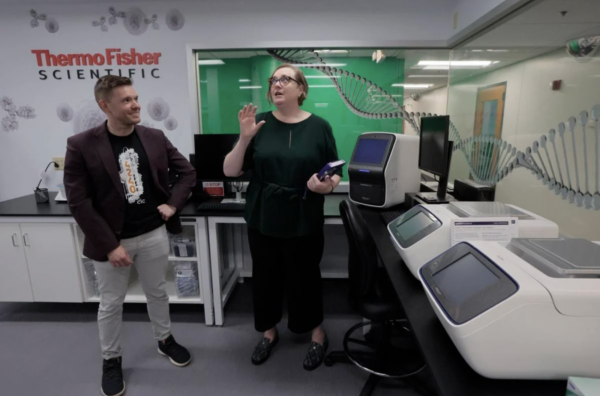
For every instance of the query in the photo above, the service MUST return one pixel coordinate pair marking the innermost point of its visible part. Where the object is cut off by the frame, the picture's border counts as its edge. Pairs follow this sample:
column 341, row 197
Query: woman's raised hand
column 248, row 125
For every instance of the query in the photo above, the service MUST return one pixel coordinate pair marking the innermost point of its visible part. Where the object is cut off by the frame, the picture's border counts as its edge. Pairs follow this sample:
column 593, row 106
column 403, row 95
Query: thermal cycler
column 383, row 168
column 529, row 310
column 423, row 232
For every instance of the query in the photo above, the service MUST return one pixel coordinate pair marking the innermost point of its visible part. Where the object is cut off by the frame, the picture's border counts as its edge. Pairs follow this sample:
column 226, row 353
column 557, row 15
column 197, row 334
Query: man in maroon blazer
column 117, row 185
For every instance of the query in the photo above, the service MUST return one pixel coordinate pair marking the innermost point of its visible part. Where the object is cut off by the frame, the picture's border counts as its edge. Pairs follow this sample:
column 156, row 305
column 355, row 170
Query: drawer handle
column 26, row 239
column 15, row 240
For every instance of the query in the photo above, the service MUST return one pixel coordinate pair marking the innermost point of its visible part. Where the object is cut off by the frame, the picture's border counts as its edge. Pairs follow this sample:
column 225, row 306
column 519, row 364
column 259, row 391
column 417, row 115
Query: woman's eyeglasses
column 285, row 80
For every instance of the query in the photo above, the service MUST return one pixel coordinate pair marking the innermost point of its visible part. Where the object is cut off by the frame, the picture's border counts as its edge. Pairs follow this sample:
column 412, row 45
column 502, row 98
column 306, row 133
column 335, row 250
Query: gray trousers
column 150, row 254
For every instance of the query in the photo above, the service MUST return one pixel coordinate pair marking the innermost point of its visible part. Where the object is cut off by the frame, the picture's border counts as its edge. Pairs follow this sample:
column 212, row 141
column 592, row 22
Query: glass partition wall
column 363, row 90
column 528, row 120
column 524, row 117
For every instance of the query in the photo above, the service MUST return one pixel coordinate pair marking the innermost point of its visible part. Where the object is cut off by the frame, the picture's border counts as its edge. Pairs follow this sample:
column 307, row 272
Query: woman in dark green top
column 284, row 210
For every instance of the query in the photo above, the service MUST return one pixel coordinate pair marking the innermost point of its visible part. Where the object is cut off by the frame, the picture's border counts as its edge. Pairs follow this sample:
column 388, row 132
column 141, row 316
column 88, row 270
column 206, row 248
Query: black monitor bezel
column 246, row 176
column 445, row 150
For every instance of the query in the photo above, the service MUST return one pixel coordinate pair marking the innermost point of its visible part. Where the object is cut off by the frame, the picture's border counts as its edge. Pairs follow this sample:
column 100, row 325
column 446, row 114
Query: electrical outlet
column 60, row 161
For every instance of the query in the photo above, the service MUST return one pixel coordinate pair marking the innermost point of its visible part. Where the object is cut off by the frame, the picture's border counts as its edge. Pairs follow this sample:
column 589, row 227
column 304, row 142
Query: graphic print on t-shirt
column 131, row 178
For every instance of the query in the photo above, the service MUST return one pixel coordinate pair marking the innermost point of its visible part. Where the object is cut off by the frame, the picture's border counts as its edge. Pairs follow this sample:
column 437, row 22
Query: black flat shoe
column 262, row 350
column 316, row 354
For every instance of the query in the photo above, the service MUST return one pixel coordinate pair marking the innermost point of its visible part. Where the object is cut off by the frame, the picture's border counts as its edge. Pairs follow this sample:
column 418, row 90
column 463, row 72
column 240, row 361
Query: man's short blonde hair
column 105, row 85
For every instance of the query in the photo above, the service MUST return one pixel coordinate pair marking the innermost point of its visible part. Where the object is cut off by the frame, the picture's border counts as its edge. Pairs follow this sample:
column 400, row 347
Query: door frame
column 479, row 110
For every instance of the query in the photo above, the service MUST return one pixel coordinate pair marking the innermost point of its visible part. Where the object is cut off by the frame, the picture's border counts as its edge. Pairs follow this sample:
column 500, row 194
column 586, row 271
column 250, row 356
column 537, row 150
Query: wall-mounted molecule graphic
column 88, row 115
column 171, row 123
column 50, row 23
column 65, row 112
column 158, row 109
column 136, row 22
column 174, row 19
column 152, row 21
column 114, row 14
column 112, row 20
column 102, row 23
column 10, row 122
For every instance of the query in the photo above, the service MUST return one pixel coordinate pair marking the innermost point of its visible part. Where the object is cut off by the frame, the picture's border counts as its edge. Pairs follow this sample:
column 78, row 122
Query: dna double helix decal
column 362, row 97
column 562, row 161
column 576, row 156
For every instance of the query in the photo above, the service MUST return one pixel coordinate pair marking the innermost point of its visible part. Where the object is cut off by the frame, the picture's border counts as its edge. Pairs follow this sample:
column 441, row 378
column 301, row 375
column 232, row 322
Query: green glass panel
column 222, row 95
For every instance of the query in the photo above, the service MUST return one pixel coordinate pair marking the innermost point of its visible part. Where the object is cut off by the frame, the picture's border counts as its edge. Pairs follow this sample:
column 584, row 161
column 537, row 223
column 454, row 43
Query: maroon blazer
column 95, row 193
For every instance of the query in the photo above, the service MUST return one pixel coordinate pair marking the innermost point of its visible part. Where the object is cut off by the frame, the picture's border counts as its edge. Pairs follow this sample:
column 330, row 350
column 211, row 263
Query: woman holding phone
column 285, row 149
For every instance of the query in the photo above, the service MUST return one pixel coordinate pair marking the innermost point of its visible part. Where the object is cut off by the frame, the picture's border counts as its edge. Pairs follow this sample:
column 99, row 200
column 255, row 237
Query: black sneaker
column 112, row 378
column 262, row 350
column 316, row 354
column 177, row 354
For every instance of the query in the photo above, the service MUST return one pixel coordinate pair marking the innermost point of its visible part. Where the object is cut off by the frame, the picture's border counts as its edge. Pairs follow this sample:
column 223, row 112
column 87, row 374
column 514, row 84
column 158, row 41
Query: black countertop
column 27, row 207
column 452, row 374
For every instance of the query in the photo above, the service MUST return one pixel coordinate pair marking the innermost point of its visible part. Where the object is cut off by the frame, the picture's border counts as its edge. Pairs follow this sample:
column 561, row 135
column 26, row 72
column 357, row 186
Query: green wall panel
column 221, row 97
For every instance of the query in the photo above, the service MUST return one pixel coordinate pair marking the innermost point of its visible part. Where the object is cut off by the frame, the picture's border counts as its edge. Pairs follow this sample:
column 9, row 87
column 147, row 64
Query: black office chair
column 389, row 350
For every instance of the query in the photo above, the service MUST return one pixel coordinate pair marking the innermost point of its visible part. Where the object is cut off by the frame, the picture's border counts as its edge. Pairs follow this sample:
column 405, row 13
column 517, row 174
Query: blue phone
column 328, row 170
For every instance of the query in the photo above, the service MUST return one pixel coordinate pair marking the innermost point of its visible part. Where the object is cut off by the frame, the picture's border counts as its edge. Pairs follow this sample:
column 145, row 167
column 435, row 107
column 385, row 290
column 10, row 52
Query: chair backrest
column 362, row 254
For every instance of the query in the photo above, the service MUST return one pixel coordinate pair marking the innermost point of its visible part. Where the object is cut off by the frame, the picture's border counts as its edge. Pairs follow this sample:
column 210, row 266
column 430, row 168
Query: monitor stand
column 440, row 197
column 238, row 198
column 434, row 198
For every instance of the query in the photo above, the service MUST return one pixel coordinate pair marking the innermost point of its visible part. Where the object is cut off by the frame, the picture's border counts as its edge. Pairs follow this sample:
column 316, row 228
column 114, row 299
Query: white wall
column 236, row 24
column 434, row 102
column 531, row 109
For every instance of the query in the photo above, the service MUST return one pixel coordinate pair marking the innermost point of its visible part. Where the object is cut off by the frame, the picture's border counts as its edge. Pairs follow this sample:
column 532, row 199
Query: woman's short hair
column 299, row 77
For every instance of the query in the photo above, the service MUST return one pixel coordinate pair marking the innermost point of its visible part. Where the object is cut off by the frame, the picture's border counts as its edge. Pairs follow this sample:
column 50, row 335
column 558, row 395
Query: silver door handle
column 15, row 240
column 26, row 239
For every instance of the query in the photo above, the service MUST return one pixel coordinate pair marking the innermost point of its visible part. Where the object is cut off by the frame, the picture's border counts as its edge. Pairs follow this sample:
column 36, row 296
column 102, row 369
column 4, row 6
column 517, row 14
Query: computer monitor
column 435, row 153
column 210, row 153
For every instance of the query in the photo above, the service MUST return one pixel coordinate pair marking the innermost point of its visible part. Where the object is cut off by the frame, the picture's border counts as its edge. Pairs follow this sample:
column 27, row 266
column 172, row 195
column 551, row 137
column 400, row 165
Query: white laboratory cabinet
column 14, row 282
column 38, row 263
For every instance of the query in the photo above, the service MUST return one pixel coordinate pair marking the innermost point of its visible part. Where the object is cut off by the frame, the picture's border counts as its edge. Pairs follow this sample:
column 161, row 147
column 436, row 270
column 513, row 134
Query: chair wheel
column 328, row 362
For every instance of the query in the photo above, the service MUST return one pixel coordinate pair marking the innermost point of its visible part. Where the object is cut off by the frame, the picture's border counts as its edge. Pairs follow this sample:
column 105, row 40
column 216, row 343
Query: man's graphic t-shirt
column 141, row 213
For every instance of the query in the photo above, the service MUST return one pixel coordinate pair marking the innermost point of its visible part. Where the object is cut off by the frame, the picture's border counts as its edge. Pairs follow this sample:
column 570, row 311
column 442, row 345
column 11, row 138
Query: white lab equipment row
column 527, row 309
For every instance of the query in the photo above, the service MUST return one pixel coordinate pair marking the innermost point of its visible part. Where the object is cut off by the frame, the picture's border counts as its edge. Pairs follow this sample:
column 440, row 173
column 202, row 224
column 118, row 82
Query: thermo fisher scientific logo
column 81, row 66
